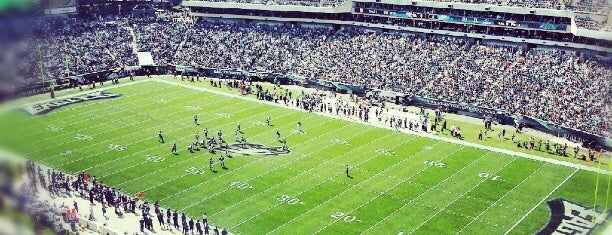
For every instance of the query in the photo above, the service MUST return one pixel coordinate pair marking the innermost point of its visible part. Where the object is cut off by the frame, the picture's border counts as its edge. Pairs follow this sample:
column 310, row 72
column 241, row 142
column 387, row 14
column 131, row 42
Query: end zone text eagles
column 46, row 107
column 570, row 218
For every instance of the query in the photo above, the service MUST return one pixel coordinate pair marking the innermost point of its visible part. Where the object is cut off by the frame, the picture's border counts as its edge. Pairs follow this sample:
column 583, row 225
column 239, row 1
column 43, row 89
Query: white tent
column 145, row 58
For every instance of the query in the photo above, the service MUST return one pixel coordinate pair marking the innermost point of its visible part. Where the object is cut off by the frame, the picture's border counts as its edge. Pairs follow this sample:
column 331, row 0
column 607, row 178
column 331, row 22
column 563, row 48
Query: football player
column 222, row 161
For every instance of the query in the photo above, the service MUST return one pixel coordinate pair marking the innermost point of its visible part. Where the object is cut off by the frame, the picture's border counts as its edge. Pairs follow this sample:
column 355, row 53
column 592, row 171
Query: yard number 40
column 289, row 200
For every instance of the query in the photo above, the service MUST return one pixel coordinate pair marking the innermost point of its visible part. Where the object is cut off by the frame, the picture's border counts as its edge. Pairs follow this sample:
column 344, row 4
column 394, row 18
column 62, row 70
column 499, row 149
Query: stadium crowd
column 549, row 4
column 70, row 47
column 595, row 6
column 587, row 22
column 546, row 84
column 563, row 87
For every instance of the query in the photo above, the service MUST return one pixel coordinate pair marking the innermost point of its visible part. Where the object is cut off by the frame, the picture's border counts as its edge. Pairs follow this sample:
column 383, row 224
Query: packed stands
column 567, row 88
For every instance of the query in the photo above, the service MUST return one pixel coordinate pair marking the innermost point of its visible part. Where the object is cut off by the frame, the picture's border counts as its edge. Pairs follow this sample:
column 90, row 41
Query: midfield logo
column 249, row 149
column 43, row 108
column 570, row 218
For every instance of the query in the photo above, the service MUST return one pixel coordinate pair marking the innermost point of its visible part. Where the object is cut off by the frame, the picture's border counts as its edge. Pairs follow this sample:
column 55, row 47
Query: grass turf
column 392, row 188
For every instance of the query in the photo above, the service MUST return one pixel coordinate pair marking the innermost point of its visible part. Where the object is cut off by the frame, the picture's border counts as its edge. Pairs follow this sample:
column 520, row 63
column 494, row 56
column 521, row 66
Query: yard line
column 427, row 135
column 131, row 144
column 423, row 193
column 296, row 176
column 265, row 173
column 153, row 172
column 329, row 178
column 390, row 188
column 457, row 198
column 262, row 159
column 501, row 198
column 543, row 199
column 158, row 146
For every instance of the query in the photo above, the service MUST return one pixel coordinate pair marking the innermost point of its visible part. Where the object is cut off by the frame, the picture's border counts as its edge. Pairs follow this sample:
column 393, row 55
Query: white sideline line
column 459, row 197
column 539, row 203
column 545, row 160
column 427, row 135
column 82, row 116
column 501, row 198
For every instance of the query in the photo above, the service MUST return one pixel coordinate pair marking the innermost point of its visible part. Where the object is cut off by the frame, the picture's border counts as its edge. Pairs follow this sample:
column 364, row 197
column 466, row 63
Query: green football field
column 399, row 182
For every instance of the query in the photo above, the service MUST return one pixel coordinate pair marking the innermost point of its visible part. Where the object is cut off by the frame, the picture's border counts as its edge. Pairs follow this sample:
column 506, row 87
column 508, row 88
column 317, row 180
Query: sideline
column 109, row 224
column 427, row 135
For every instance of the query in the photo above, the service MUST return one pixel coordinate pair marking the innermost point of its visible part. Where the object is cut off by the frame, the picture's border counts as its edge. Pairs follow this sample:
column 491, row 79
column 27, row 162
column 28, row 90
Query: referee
column 347, row 171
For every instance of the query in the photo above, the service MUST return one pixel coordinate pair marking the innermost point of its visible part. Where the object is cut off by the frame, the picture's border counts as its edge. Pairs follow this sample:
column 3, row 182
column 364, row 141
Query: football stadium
column 306, row 117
